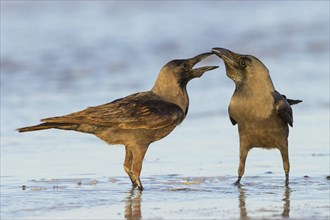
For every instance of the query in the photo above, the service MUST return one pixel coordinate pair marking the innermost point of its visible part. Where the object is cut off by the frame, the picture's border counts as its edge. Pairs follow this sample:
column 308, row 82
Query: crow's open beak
column 198, row 72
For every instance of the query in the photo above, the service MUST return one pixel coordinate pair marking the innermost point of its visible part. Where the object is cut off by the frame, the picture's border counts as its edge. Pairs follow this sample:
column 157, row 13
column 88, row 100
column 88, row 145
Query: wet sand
column 174, row 197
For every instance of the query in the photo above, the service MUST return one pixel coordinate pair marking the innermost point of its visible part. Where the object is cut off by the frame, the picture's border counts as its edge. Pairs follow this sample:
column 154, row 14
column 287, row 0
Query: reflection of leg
column 128, row 205
column 136, row 206
column 286, row 163
column 133, row 205
column 286, row 199
column 138, row 155
column 244, row 149
column 243, row 211
column 128, row 164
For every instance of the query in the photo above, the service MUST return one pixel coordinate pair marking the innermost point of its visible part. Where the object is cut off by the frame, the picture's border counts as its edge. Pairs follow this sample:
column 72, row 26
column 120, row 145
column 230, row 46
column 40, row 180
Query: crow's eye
column 185, row 66
column 244, row 62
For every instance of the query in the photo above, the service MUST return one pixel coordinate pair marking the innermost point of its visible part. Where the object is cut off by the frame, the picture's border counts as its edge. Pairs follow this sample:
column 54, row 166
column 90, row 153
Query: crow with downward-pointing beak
column 261, row 113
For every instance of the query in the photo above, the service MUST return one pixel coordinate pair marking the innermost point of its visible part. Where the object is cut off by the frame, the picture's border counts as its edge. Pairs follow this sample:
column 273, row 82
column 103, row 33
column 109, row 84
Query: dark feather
column 232, row 120
column 48, row 125
column 132, row 112
column 283, row 108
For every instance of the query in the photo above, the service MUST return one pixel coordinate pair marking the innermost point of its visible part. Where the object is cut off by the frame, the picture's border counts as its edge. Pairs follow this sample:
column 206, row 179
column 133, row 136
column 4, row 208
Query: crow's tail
column 48, row 125
column 293, row 101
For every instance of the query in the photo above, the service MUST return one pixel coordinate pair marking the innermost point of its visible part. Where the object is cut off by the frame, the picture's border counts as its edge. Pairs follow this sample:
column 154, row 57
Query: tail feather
column 48, row 125
column 293, row 101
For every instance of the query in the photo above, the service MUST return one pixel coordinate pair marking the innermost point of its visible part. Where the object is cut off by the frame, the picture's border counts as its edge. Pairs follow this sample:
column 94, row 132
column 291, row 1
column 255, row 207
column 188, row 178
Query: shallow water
column 171, row 197
column 58, row 57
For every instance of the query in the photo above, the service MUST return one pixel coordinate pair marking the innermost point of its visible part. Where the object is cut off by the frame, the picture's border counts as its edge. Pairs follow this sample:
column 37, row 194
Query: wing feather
column 283, row 108
column 133, row 112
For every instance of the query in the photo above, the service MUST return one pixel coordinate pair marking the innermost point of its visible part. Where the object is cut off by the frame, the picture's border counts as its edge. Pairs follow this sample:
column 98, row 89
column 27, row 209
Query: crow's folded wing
column 283, row 108
column 127, row 114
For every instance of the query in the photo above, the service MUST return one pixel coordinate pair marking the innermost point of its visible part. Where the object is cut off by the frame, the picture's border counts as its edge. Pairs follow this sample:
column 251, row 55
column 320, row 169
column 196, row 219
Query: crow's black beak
column 198, row 72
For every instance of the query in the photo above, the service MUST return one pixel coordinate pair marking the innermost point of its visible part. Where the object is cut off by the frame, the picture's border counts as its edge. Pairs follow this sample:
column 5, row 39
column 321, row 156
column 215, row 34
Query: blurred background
column 58, row 57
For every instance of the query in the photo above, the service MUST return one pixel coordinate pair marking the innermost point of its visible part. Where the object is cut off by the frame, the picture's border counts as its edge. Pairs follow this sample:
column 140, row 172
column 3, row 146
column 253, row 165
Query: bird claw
column 134, row 185
column 238, row 181
column 131, row 177
column 137, row 182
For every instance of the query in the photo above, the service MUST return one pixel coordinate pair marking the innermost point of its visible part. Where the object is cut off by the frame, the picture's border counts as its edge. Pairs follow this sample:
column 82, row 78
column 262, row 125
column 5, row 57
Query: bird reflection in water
column 286, row 199
column 243, row 209
column 133, row 205
column 241, row 200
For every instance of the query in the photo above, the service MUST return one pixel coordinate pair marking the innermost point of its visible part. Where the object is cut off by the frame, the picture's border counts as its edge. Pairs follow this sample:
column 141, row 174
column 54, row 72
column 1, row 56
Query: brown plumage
column 138, row 119
column 262, row 113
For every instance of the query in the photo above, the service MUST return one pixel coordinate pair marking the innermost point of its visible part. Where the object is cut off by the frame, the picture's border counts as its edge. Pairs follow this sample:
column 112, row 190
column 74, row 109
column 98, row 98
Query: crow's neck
column 171, row 91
